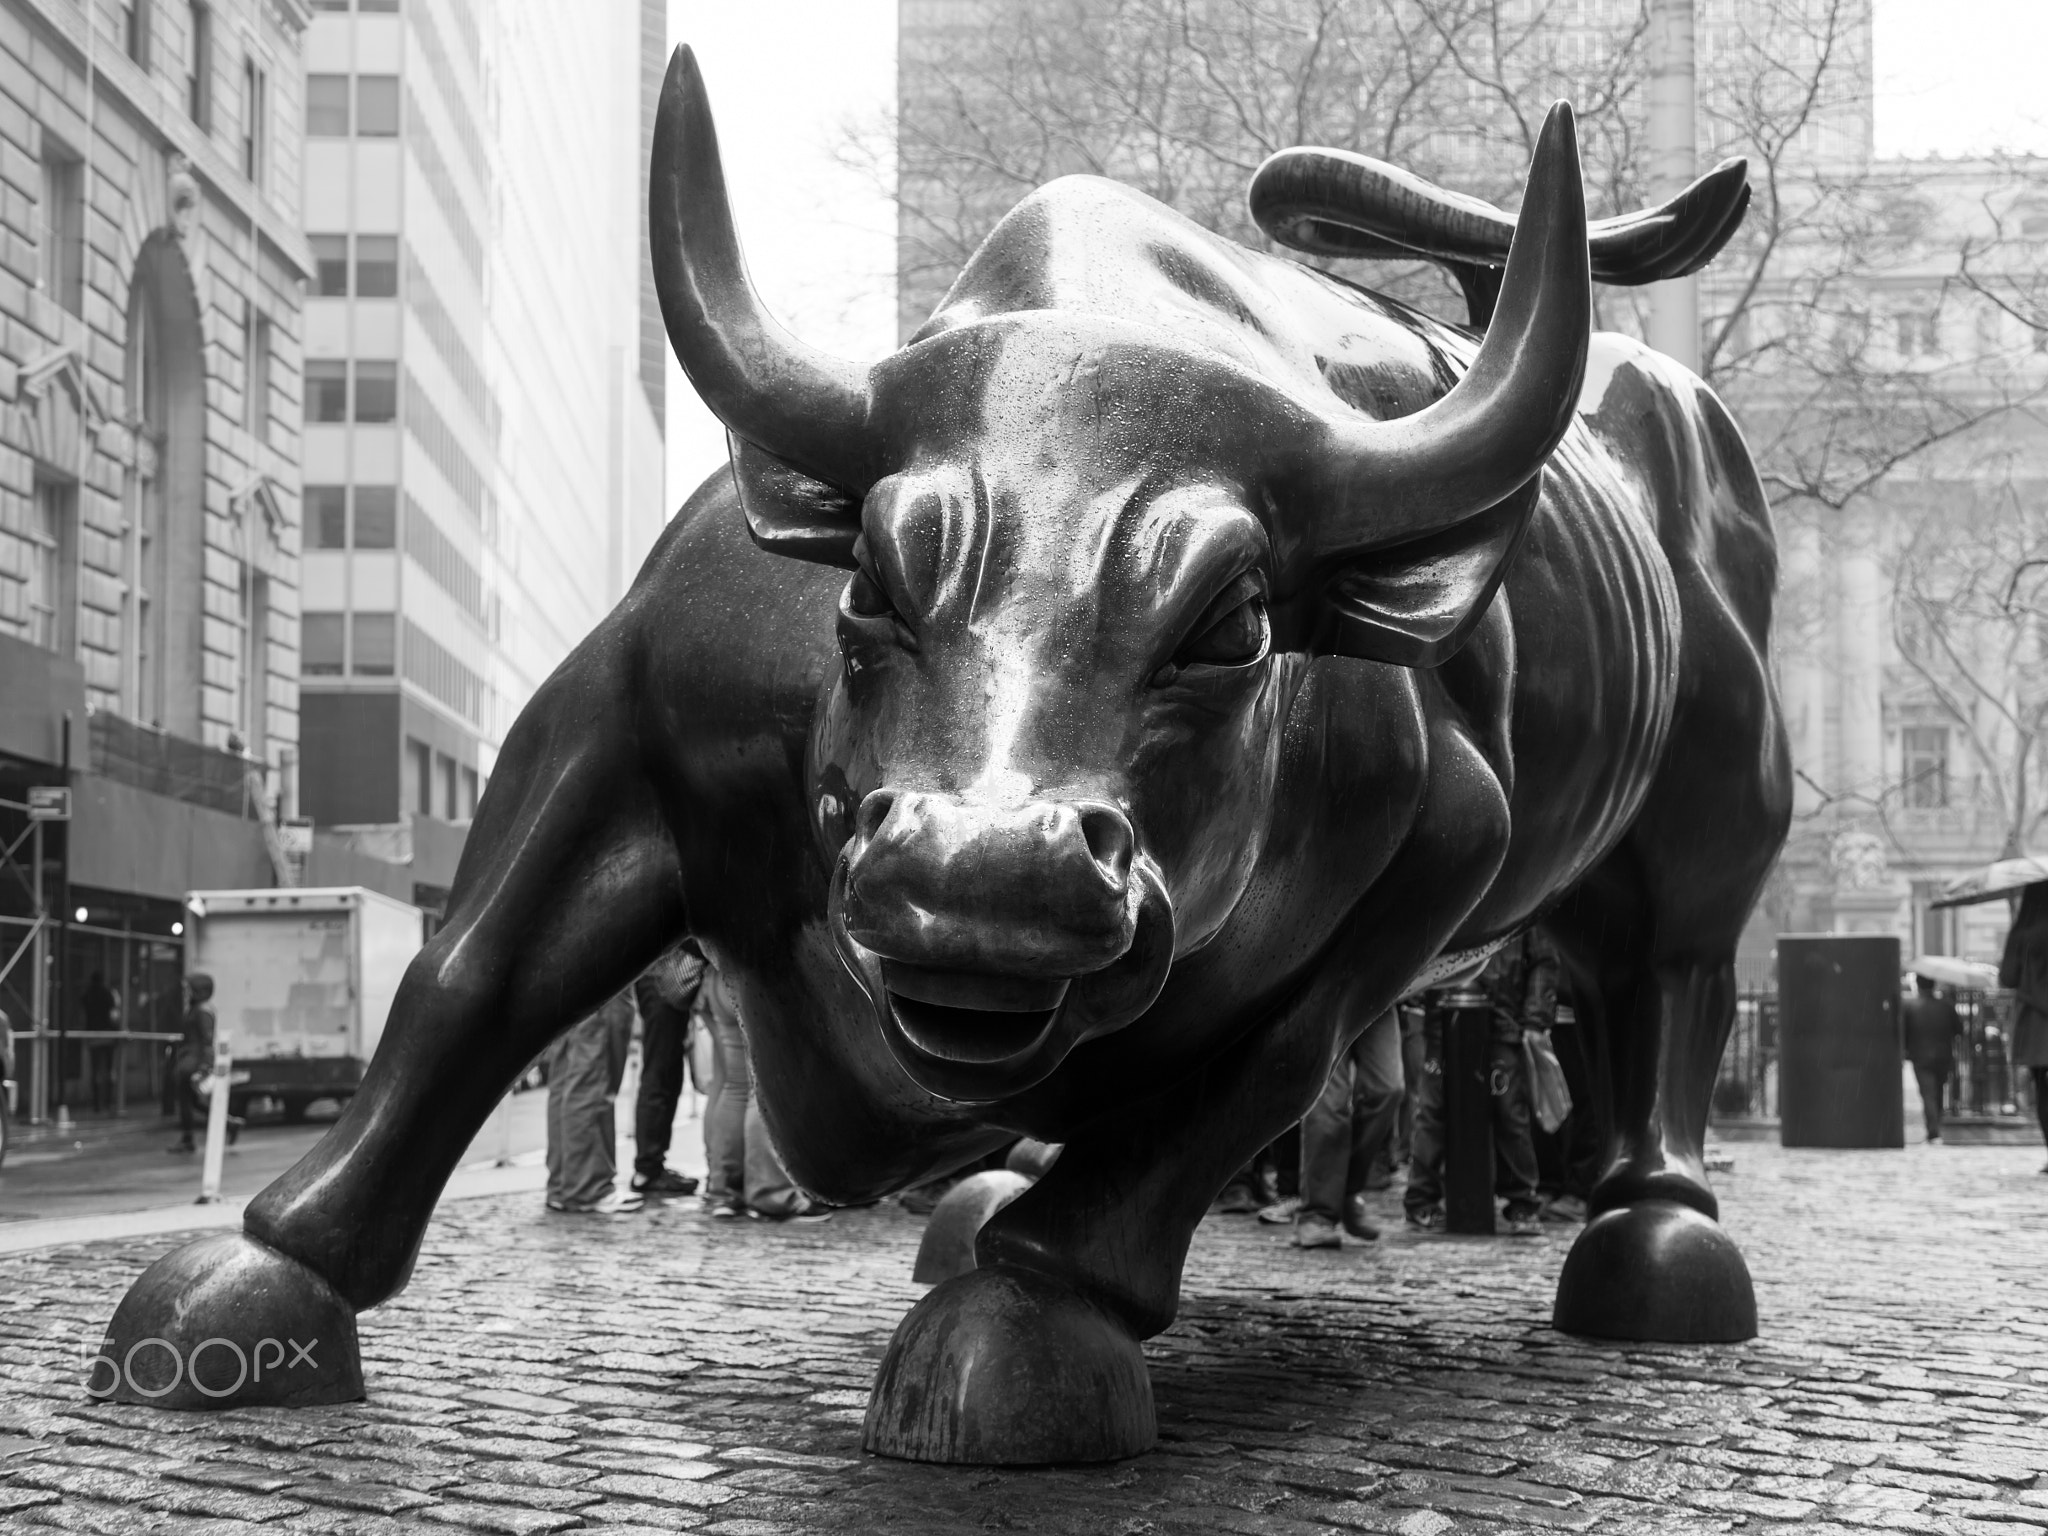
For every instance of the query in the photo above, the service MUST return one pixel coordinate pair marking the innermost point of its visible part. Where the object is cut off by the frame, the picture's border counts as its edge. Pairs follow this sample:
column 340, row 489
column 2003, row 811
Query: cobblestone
column 676, row 1374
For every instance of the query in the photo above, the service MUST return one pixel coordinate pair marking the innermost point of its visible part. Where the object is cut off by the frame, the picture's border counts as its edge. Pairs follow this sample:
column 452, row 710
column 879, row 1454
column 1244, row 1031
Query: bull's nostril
column 874, row 810
column 1110, row 839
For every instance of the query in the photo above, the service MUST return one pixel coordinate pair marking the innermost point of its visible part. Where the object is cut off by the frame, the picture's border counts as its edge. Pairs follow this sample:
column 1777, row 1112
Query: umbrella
column 1974, row 975
column 2001, row 878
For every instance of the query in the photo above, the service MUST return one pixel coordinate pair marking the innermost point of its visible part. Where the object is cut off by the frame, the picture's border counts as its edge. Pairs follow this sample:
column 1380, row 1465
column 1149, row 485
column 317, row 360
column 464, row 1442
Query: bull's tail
column 1330, row 202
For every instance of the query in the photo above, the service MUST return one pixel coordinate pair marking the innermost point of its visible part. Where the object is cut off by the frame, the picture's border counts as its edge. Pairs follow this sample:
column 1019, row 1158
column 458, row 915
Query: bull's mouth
column 976, row 1037
column 971, row 1020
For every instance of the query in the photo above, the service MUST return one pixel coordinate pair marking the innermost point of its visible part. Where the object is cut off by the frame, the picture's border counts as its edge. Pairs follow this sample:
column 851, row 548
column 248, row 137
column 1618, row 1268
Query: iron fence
column 1984, row 1083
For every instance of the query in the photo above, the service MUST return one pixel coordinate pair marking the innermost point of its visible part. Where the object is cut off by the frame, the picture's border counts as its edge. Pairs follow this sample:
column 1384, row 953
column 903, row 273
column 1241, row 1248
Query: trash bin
column 1840, row 1049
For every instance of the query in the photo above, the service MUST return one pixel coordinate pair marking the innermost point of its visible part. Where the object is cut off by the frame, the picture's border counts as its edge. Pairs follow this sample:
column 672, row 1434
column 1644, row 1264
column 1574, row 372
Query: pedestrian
column 192, row 1062
column 585, row 1067
column 1568, row 1159
column 1279, row 1171
column 97, row 1006
column 1931, row 1030
column 1520, row 986
column 742, row 1174
column 666, row 992
column 1346, row 1129
column 2024, row 969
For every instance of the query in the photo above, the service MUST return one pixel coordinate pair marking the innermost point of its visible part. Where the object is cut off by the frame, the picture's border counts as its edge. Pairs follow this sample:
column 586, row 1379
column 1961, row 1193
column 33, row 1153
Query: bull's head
column 1089, row 562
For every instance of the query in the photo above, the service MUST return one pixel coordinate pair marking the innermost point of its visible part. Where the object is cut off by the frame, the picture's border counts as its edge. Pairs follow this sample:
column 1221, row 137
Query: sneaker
column 666, row 1182
column 612, row 1202
column 1356, row 1222
column 1237, row 1199
column 1312, row 1231
column 1566, row 1208
column 1521, row 1223
column 1427, row 1218
column 1281, row 1211
column 724, row 1208
column 807, row 1210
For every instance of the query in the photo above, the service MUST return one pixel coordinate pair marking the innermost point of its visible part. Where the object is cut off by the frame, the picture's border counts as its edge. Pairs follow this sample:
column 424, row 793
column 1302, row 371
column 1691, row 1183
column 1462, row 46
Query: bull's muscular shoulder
column 1087, row 245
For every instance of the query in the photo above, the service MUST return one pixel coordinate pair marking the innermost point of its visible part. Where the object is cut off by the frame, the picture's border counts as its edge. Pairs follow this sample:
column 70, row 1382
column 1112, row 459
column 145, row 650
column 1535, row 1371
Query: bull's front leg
column 568, row 887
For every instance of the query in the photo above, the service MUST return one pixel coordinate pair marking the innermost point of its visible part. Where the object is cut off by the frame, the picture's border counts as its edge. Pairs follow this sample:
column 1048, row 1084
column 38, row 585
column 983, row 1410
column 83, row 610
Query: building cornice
column 163, row 116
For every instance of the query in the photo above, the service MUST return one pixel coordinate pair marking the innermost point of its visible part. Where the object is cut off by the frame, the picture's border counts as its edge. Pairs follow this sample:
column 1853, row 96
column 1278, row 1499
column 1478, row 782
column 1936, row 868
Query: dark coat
column 1520, row 983
column 1931, row 1029
column 2025, row 969
column 195, row 1045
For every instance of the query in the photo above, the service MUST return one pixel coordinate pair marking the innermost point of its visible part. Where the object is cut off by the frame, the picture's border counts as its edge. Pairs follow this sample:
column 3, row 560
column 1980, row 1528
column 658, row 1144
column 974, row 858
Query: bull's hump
column 1089, row 246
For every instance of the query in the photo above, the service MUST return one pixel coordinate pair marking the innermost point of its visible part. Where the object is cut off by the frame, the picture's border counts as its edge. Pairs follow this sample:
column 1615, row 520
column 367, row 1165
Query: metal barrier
column 116, row 1044
column 1985, row 1083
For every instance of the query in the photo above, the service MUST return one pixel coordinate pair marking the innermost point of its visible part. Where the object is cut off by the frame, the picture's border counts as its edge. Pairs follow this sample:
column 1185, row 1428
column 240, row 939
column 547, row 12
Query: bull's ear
column 1415, row 604
column 789, row 513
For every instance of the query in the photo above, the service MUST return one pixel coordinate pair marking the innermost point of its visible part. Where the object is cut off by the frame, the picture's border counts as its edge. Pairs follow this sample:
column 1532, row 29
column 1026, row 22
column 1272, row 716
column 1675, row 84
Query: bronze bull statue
column 1078, row 723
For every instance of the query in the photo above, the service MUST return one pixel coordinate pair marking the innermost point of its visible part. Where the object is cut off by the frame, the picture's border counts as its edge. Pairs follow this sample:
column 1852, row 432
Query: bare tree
column 1970, row 619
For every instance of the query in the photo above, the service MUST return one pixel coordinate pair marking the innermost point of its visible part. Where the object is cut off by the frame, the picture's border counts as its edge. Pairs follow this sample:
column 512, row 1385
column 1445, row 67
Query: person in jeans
column 1350, row 1124
column 585, row 1068
column 193, row 1063
column 742, row 1174
column 1931, row 1030
column 665, row 993
column 1520, row 984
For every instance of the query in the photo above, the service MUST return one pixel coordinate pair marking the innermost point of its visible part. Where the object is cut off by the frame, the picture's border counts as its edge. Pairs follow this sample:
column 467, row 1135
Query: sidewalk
column 667, row 1372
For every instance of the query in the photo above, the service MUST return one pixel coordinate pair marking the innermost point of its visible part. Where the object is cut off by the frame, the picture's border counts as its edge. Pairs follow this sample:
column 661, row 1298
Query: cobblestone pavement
column 673, row 1373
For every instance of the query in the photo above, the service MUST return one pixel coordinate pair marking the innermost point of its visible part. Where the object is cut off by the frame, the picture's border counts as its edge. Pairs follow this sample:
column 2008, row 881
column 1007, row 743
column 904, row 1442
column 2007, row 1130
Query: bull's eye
column 1236, row 638
column 1232, row 631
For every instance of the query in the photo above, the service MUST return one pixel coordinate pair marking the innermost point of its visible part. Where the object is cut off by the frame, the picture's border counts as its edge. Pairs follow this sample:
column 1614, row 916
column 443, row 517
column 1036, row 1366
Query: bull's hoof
column 1656, row 1272
column 948, row 1245
column 226, row 1322
column 1006, row 1367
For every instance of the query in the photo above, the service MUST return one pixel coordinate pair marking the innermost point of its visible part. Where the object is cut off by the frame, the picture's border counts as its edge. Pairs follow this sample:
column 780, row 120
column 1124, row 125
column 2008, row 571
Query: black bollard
column 1468, row 1112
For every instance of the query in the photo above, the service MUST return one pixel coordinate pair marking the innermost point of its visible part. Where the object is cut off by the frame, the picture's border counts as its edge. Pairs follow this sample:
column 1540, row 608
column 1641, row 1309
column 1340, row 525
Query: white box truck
column 302, row 981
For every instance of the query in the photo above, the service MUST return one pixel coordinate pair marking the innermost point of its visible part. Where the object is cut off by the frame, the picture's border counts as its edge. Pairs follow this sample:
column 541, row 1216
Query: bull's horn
column 1415, row 475
column 799, row 404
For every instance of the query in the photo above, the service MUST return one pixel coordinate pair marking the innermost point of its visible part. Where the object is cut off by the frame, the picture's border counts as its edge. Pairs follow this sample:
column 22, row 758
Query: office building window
column 51, row 590
column 1926, row 766
column 327, row 106
column 419, row 768
column 376, row 266
column 257, row 392
column 62, row 226
column 330, row 265
column 375, row 639
column 377, row 106
column 326, row 391
column 135, row 29
column 385, row 6
column 376, row 517
column 327, row 517
column 330, row 5
column 468, row 806
column 320, row 653
column 255, row 121
column 199, row 83
column 376, row 391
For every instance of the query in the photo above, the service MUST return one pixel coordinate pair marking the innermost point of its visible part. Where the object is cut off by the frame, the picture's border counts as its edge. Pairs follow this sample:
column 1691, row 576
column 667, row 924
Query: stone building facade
column 151, row 271
column 150, row 274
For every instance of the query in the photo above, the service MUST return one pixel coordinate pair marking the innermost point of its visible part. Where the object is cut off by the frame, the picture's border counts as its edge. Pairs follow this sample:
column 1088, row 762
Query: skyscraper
column 482, row 449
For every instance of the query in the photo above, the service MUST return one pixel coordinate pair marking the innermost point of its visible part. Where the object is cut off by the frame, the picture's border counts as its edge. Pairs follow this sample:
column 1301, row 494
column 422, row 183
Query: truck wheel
column 294, row 1111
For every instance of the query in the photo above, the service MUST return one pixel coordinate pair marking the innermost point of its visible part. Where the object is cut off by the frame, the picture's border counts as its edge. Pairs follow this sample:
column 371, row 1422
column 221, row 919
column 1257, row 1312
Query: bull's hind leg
column 567, row 888
column 1651, row 938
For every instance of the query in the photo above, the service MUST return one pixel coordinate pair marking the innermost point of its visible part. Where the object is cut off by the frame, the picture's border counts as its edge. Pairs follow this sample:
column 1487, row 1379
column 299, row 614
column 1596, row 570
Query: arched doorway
column 167, row 540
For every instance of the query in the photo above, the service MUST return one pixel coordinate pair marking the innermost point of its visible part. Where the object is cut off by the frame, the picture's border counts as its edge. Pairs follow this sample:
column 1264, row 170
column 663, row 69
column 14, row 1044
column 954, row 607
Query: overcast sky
column 791, row 79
